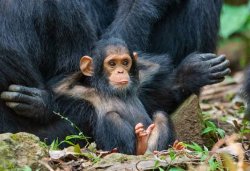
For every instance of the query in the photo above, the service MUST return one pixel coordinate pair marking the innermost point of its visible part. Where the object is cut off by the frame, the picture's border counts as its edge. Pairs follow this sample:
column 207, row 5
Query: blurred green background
column 234, row 33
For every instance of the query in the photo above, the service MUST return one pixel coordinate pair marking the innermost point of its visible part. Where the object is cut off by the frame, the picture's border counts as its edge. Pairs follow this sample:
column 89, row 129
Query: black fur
column 41, row 42
column 246, row 93
column 116, row 111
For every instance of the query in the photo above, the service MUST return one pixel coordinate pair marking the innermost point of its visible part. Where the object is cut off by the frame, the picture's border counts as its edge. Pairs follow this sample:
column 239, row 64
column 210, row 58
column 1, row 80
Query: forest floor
column 223, row 112
column 223, row 102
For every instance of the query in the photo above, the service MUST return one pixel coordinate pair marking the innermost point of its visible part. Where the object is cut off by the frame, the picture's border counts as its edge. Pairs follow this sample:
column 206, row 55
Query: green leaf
column 195, row 147
column 207, row 130
column 176, row 169
column 74, row 137
column 54, row 145
column 161, row 169
column 233, row 19
column 69, row 142
column 156, row 164
column 26, row 168
column 246, row 131
column 210, row 124
column 172, row 154
column 77, row 149
column 221, row 132
column 213, row 164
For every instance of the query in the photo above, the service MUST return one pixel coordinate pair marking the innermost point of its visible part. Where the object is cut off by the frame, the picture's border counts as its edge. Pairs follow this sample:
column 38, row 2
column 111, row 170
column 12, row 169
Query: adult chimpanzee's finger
column 220, row 67
column 16, row 97
column 207, row 56
column 22, row 89
column 217, row 60
column 18, row 107
column 221, row 74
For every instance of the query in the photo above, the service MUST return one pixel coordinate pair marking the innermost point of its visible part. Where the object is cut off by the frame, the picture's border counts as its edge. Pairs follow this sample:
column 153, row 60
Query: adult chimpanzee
column 246, row 93
column 112, row 91
column 42, row 41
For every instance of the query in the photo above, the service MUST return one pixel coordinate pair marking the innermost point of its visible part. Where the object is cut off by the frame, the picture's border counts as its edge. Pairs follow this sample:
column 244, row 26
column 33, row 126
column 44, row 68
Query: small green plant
column 80, row 133
column 172, row 154
column 26, row 168
column 203, row 152
column 241, row 110
column 70, row 138
column 243, row 129
column 90, row 154
column 198, row 150
column 157, row 166
column 214, row 165
column 55, row 145
column 176, row 169
column 211, row 128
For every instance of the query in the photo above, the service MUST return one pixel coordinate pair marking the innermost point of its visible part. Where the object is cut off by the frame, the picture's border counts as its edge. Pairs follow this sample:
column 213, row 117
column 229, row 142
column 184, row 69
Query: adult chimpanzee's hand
column 198, row 70
column 26, row 101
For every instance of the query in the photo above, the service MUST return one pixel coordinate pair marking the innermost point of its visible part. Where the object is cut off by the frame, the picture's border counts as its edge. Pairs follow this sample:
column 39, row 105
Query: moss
column 19, row 150
column 122, row 159
column 7, row 161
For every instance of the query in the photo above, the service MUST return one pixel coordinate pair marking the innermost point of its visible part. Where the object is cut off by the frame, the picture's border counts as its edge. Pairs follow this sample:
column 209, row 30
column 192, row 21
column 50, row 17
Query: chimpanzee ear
column 86, row 65
column 135, row 55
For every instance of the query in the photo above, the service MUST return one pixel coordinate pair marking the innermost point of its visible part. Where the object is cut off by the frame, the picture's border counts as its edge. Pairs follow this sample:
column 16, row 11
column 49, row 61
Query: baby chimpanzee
column 109, row 82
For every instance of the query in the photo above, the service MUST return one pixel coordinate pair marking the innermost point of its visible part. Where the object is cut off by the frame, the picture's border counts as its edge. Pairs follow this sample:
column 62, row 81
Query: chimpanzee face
column 117, row 68
column 112, row 70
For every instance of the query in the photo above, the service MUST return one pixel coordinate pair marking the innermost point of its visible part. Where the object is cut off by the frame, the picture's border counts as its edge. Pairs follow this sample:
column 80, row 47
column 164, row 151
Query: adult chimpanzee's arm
column 165, row 88
column 35, row 50
column 20, row 57
column 134, row 20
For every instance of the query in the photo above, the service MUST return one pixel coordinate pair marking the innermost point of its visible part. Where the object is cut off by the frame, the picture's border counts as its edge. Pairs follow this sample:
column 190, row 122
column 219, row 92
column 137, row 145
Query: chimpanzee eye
column 112, row 63
column 125, row 62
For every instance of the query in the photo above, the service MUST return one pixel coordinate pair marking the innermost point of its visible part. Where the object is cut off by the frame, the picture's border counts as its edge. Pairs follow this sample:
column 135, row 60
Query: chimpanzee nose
column 120, row 72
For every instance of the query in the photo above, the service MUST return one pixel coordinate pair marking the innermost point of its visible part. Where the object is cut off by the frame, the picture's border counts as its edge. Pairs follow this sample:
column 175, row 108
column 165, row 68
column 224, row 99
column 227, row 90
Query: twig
column 46, row 165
